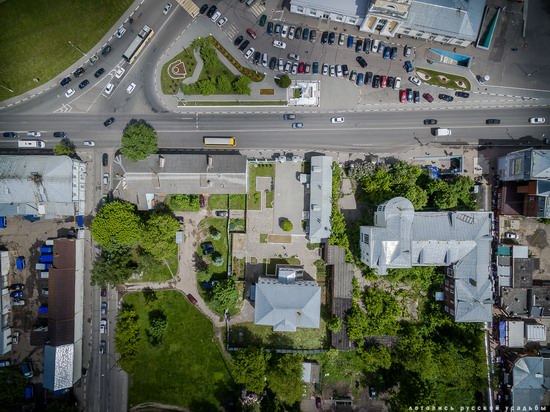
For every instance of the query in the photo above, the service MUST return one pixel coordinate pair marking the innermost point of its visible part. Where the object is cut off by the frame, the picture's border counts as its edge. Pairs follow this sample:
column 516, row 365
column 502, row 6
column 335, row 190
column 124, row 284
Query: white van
column 442, row 132
column 30, row 143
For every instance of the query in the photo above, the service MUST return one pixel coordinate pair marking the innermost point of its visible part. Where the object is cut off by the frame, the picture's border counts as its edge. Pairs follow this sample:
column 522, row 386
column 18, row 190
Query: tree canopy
column 13, row 383
column 127, row 337
column 380, row 317
column 284, row 82
column 113, row 266
column 285, row 378
column 225, row 294
column 250, row 369
column 159, row 235
column 117, row 224
column 139, row 140
column 64, row 147
column 190, row 203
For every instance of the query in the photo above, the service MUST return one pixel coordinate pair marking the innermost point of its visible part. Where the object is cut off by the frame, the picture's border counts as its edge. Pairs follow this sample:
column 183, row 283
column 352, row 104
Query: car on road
column 462, row 94
column 269, row 29
column 109, row 121
column 192, row 299
column 331, row 37
column 102, row 347
column 10, row 134
column 222, row 213
column 105, row 178
column 362, row 62
column 428, row 122
column 408, row 66
column 99, row 72
column 166, row 8
column 222, row 21
column 360, row 78
column 61, row 135
column 109, row 88
column 69, row 92
column 78, row 72
column 34, row 134
column 312, row 36
column 415, row 80
column 251, row 33
column 105, row 159
column 337, row 120
column 376, row 81
column 130, row 88
column 358, row 46
column 263, row 19
column 324, row 37
column 89, row 143
column 445, row 97
column 103, row 326
column 65, row 81
column 273, row 63
column 511, row 235
column 279, row 44
column 249, row 53
column 216, row 16
column 106, row 50
column 428, row 97
column 537, row 120
column 238, row 40
column 103, row 308
column 407, row 51
column 83, row 84
column 492, row 121
column 103, row 292
column 211, row 11
column 244, row 45
column 203, row 9
column 284, row 31
column 289, row 116
column 297, row 125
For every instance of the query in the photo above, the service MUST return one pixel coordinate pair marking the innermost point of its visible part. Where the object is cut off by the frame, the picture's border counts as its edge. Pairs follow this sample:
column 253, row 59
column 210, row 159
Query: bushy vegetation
column 183, row 203
column 139, row 140
column 339, row 231
column 64, row 147
column 245, row 71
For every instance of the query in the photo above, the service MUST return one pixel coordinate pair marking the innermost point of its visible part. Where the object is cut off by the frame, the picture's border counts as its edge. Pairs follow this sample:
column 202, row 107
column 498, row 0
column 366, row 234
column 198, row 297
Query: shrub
column 286, row 225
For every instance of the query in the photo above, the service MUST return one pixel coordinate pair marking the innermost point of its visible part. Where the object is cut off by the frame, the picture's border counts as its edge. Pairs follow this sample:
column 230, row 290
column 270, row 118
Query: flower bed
column 253, row 75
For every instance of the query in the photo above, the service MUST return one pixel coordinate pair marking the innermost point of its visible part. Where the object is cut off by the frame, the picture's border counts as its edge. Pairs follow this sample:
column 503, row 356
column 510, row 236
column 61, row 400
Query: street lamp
column 7, row 88
column 77, row 48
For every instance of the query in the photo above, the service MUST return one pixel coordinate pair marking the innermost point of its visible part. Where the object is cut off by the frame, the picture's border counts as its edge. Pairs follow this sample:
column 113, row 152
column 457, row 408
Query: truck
column 31, row 144
column 442, row 132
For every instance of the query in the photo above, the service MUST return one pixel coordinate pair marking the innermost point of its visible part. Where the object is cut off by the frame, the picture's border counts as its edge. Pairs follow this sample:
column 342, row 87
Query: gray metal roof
column 540, row 164
column 287, row 306
column 187, row 164
column 351, row 8
column 531, row 379
column 320, row 203
column 452, row 18
column 514, row 301
column 515, row 333
column 58, row 367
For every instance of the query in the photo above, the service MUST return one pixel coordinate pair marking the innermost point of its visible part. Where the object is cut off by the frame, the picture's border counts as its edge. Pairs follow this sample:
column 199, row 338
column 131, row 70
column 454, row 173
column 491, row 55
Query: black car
column 416, row 96
column 9, row 134
column 61, row 135
column 305, row 34
column 273, row 63
column 203, row 8
column 270, row 27
column 362, row 62
column 324, row 37
column 257, row 57
column 238, row 40
column 207, row 246
column 99, row 72
column 409, row 95
column 430, row 121
column 312, row 36
column 331, row 37
column 109, row 121
column 106, row 50
column 393, row 53
column 358, row 46
column 492, row 121
column 78, row 72
column 446, row 97
column 65, row 81
column 298, row 33
column 391, row 82
column 244, row 45
column 372, row 392
column 289, row 116
column 211, row 11
column 367, row 45
column 345, row 70
column 376, row 81
column 105, row 159
column 83, row 84
column 462, row 94
column 368, row 78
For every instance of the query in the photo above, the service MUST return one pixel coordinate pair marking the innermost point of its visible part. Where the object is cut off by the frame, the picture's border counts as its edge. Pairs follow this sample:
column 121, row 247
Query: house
column 287, row 303
column 49, row 186
column 5, row 304
column 320, row 199
column 531, row 381
column 459, row 241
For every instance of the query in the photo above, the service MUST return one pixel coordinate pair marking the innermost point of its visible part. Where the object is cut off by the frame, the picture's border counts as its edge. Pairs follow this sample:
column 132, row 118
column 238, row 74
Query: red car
column 192, row 299
column 251, row 33
column 383, row 81
column 402, row 96
column 202, row 201
column 301, row 67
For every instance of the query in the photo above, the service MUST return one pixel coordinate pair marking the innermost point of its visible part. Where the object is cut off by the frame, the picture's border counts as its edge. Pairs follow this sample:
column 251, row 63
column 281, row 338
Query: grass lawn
column 153, row 271
column 259, row 335
column 216, row 202
column 436, row 81
column 237, row 202
column 220, row 245
column 187, row 368
column 269, row 199
column 254, row 171
column 36, row 35
column 237, row 225
column 286, row 261
column 170, row 85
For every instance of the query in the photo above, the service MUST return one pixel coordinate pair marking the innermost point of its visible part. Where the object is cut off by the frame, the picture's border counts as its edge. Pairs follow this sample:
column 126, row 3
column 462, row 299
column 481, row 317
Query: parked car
column 221, row 22
column 102, row 347
column 362, row 62
column 409, row 95
column 331, row 37
column 103, row 308
column 103, row 326
column 216, row 16
column 386, row 52
column 273, row 63
column 278, row 28
column 279, row 44
column 383, row 82
column 376, row 81
column 393, row 53
column 284, row 31
column 407, row 51
column 408, row 66
column 341, row 39
column 428, row 97
column 294, row 57
column 403, row 96
column 353, row 76
column 368, row 78
column 251, row 33
column 33, row 133
column 103, row 292
column 263, row 19
column 192, row 299
column 358, row 46
column 281, row 65
column 26, row 368
column 360, row 78
column 415, row 80
column 106, row 50
column 16, row 294
column 367, row 45
column 222, row 213
column 269, row 29
column 350, row 41
column 203, row 9
column 249, row 53
column 445, row 97
column 105, row 178
column 391, row 82
column 291, row 32
column 315, row 67
column 244, row 45
column 83, row 84
column 511, row 235
column 109, row 88
column 202, row 201
column 492, row 121
column 69, row 92
column 78, row 72
column 462, row 94
column 324, row 37
column 312, row 36
column 5, row 363
column 416, row 96
column 166, row 8
column 65, row 81
column 345, row 70
column 211, row 11
column 397, row 83
column 305, row 34
column 298, row 34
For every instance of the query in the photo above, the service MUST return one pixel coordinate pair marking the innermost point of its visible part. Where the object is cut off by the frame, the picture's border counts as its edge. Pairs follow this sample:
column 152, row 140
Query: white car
column 294, row 57
column 397, row 83
column 415, row 80
column 288, row 67
column 34, row 134
column 109, row 88
column 284, row 31
column 120, row 32
column 249, row 53
column 167, row 8
column 222, row 21
column 337, row 120
column 281, row 65
column 332, row 70
column 537, row 120
column 511, row 235
column 295, row 68
column 279, row 44
column 130, row 88
column 69, row 92
column 264, row 60
column 119, row 72
column 216, row 16
column 339, row 71
column 103, row 326
column 325, row 69
column 105, row 178
column 291, row 32
column 89, row 143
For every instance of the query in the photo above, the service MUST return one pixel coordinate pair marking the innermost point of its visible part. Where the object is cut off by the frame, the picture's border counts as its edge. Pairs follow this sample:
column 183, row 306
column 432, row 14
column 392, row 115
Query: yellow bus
column 219, row 141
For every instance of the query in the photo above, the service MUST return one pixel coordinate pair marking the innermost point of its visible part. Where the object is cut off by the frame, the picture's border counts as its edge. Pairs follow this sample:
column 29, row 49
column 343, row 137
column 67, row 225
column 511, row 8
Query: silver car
column 295, row 68
column 332, row 70
column 264, row 60
column 288, row 67
column 281, row 65
column 325, row 69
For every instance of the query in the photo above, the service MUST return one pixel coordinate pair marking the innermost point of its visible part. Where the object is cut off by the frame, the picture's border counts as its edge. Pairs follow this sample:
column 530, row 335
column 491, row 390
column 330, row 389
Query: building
column 48, row 186
column 459, row 241
column 525, row 183
column 531, row 383
column 148, row 181
column 517, row 333
column 63, row 350
column 287, row 303
column 5, row 304
column 320, row 199
column 456, row 22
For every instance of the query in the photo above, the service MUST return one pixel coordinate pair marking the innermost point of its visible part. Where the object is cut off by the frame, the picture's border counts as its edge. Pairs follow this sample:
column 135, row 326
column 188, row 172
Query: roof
column 451, row 18
column 522, row 274
column 514, row 301
column 49, row 185
column 287, row 306
column 536, row 332
column 320, row 201
column 527, row 164
column 514, row 333
column 531, row 375
column 58, row 367
column 356, row 8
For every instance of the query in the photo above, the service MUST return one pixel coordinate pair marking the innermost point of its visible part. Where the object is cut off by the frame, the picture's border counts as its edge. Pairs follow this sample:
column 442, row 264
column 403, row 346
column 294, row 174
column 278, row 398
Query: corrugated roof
column 287, row 306
column 540, row 164
column 350, row 8
column 58, row 367
column 230, row 162
column 320, row 202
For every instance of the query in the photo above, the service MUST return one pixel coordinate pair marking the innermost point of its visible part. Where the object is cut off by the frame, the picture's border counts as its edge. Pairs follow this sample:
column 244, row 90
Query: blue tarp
column 502, row 333
column 80, row 221
column 46, row 249
column 20, row 263
column 45, row 259
column 3, row 222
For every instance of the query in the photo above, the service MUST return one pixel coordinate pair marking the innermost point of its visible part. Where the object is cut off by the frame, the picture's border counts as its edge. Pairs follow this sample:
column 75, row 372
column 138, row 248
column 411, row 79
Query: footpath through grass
column 187, row 368
column 34, row 43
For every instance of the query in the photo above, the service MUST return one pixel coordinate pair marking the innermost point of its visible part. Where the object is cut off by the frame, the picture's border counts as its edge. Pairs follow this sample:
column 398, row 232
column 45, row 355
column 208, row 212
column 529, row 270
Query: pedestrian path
column 257, row 9
column 189, row 7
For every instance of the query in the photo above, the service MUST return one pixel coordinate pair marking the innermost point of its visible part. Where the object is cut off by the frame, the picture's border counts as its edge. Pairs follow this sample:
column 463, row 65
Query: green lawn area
column 36, row 35
column 216, row 202
column 254, row 171
column 436, row 81
column 153, row 271
column 259, row 335
column 220, row 245
column 285, row 261
column 237, row 202
column 170, row 85
column 187, row 368
column 237, row 225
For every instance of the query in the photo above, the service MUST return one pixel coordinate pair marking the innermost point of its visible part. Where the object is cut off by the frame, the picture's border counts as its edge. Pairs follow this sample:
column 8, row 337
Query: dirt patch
column 538, row 239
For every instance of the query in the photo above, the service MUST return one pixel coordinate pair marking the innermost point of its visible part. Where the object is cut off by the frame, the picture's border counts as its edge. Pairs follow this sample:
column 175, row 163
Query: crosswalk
column 231, row 31
column 189, row 7
column 257, row 9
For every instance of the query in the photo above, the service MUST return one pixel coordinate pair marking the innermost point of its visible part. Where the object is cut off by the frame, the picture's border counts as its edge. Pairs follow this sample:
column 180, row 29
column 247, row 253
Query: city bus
column 219, row 141
column 139, row 43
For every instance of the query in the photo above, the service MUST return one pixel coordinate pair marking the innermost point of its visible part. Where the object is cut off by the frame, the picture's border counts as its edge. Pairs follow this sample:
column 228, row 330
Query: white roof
column 514, row 333
column 536, row 332
column 320, row 203
column 58, row 367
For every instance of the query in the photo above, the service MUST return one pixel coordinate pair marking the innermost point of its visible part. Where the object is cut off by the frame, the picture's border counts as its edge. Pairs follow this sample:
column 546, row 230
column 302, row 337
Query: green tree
column 334, row 324
column 159, row 235
column 375, row 357
column 157, row 327
column 250, row 369
column 225, row 294
column 284, row 81
column 224, row 85
column 117, row 224
column 65, row 147
column 114, row 267
column 206, row 87
column 208, row 55
column 127, row 337
column 242, row 85
column 13, row 384
column 139, row 140
column 185, row 203
column 214, row 233
column 286, row 225
column 285, row 378
column 217, row 259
